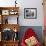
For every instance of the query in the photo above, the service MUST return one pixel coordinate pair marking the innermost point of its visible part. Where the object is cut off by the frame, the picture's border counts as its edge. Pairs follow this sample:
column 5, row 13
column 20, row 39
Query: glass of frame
column 30, row 13
column 13, row 20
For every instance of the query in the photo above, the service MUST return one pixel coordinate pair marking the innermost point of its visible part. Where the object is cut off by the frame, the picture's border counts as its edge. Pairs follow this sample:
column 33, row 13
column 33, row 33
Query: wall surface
column 26, row 4
column 31, row 4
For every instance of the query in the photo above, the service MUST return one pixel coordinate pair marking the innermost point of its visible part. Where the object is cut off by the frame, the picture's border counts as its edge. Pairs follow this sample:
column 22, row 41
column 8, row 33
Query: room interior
column 16, row 16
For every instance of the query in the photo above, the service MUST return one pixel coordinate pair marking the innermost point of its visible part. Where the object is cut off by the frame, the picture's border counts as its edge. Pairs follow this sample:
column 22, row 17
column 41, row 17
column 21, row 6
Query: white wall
column 31, row 4
column 27, row 4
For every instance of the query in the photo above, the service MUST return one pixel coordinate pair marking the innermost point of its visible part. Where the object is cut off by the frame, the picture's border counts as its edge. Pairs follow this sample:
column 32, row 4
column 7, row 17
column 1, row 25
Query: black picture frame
column 30, row 13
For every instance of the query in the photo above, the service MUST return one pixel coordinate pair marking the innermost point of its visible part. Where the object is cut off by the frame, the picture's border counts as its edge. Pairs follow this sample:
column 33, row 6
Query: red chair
column 29, row 33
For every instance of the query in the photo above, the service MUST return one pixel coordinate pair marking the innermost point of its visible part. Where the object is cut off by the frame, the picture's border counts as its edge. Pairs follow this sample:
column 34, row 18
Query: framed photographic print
column 5, row 12
column 30, row 13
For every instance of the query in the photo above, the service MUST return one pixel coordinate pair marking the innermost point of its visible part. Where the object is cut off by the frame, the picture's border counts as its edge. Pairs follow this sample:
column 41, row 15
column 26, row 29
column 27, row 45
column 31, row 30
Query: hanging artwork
column 30, row 13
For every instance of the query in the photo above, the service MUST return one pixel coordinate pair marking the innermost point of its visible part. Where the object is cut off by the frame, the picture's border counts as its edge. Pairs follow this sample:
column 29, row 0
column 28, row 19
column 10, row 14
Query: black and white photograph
column 30, row 13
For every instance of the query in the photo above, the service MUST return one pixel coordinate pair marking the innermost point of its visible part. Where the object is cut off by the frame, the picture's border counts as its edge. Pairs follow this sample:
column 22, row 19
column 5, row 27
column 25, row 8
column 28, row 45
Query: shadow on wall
column 37, row 29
